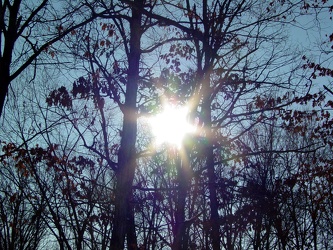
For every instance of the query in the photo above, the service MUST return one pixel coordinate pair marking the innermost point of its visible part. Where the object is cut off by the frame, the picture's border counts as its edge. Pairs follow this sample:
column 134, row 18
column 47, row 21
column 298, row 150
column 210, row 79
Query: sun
column 171, row 125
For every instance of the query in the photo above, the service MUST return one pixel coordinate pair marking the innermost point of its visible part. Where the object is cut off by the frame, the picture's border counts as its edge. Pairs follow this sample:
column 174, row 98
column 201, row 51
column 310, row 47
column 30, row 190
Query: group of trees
column 78, row 170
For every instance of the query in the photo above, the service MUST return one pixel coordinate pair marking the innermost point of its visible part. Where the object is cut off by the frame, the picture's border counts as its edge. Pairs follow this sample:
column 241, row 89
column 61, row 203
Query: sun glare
column 171, row 125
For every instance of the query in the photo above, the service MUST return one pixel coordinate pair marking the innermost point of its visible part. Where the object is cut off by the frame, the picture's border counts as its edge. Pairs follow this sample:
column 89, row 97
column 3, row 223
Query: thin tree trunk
column 207, row 118
column 180, row 239
column 214, row 216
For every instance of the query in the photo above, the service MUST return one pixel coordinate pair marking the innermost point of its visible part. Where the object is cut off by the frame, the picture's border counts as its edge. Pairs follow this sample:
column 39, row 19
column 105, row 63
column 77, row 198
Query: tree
column 29, row 31
column 121, row 86
column 21, row 208
column 224, row 48
column 235, row 184
column 127, row 150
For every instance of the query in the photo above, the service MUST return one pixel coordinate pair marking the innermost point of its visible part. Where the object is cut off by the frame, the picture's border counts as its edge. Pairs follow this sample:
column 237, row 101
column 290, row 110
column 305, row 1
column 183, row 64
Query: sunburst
column 171, row 125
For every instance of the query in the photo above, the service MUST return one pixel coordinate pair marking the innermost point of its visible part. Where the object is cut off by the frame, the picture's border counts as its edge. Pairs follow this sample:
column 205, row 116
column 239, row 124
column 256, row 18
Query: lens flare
column 171, row 125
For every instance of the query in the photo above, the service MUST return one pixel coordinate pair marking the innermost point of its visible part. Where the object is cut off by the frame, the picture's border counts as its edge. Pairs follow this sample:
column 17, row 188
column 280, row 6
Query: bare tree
column 21, row 208
column 29, row 31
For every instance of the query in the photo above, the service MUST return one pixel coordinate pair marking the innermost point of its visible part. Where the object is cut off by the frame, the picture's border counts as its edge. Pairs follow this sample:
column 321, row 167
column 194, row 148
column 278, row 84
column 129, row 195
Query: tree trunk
column 3, row 89
column 6, row 55
column 123, row 223
column 209, row 154
column 131, row 233
column 5, row 61
column 180, row 239
column 207, row 119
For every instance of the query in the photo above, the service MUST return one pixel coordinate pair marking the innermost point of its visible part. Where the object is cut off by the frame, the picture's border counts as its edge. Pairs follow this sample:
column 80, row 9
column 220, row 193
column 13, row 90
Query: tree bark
column 123, row 223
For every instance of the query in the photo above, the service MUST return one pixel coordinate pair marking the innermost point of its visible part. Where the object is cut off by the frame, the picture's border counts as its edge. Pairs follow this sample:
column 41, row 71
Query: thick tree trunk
column 122, row 200
column 131, row 233
column 5, row 61
column 3, row 91
column 6, row 55
column 123, row 223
